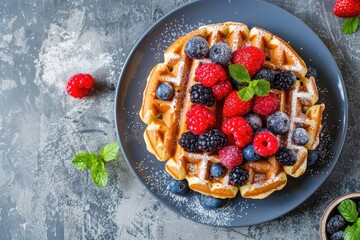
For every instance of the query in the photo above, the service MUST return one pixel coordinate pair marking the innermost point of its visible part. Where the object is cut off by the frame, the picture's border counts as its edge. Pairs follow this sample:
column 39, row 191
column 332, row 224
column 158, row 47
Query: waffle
column 166, row 119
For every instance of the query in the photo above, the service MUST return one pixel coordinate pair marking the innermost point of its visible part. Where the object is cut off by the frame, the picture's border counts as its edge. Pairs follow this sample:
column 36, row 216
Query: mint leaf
column 239, row 73
column 109, row 152
column 99, row 174
column 350, row 25
column 352, row 232
column 261, row 87
column 246, row 93
column 347, row 209
column 84, row 160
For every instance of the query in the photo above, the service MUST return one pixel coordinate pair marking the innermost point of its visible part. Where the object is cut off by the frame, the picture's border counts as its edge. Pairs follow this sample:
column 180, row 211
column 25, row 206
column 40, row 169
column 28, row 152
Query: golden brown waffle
column 166, row 119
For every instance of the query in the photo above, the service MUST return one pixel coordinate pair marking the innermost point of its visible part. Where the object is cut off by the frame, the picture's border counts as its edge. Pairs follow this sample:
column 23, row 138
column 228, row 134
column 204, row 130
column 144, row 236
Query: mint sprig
column 350, row 25
column 347, row 209
column 258, row 87
column 352, row 232
column 96, row 163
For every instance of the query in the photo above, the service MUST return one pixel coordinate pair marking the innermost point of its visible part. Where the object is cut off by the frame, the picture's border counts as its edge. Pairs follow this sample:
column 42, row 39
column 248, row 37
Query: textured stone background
column 42, row 196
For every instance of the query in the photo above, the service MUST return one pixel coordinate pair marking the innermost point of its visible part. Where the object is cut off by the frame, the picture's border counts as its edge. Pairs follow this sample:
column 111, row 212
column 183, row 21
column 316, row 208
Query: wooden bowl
column 329, row 211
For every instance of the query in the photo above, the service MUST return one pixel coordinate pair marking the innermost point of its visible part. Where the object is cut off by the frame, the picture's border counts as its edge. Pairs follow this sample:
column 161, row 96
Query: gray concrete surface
column 42, row 196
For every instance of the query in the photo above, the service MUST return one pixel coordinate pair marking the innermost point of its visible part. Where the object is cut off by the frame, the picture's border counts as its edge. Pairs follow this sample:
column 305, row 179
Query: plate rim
column 142, row 38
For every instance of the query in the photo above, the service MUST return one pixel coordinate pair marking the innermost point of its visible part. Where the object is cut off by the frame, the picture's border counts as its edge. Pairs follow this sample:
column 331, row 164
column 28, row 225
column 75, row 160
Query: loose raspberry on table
column 238, row 129
column 265, row 144
column 199, row 118
column 210, row 73
column 221, row 90
column 231, row 156
column 265, row 105
column 80, row 85
column 234, row 106
column 252, row 58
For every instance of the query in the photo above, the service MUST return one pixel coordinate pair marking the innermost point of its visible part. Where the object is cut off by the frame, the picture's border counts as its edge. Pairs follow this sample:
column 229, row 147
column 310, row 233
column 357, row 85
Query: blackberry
column 201, row 95
column 254, row 121
column 335, row 223
column 220, row 53
column 300, row 136
column 265, row 73
column 189, row 141
column 197, row 47
column 278, row 123
column 339, row 235
column 286, row 156
column 313, row 156
column 238, row 176
column 165, row 91
column 312, row 72
column 284, row 80
column 212, row 140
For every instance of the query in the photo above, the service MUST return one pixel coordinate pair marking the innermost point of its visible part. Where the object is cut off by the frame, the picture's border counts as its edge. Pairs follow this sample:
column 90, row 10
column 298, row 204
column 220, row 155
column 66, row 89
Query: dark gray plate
column 148, row 52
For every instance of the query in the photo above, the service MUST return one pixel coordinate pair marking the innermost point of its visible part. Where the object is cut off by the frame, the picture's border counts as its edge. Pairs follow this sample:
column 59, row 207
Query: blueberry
column 209, row 202
column 217, row 170
column 313, row 156
column 265, row 73
column 312, row 72
column 165, row 91
column 178, row 186
column 300, row 136
column 197, row 47
column 234, row 83
column 254, row 121
column 339, row 235
column 278, row 123
column 250, row 154
column 220, row 53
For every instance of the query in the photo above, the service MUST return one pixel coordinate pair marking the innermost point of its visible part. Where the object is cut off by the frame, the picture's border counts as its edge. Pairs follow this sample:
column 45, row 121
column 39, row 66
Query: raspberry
column 199, row 118
column 238, row 129
column 209, row 74
column 265, row 105
column 231, row 156
column 286, row 156
column 238, row 176
column 212, row 140
column 80, row 85
column 252, row 58
column 221, row 90
column 234, row 106
column 265, row 144
column 189, row 141
column 201, row 95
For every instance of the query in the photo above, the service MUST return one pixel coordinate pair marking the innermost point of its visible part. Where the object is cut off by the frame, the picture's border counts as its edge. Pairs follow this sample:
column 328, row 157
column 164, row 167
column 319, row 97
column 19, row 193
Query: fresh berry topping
column 266, row 105
column 80, row 85
column 231, row 156
column 212, row 140
column 238, row 176
column 178, row 186
column 311, row 72
column 250, row 154
column 189, row 141
column 217, row 170
column 347, row 8
column 339, row 235
column 220, row 53
column 278, row 123
column 266, row 144
column 313, row 156
column 300, row 136
column 239, row 129
column 234, row 106
column 286, row 156
column 209, row 74
column 199, row 118
column 265, row 73
column 197, row 47
column 201, row 95
column 221, row 90
column 235, row 84
column 335, row 223
column 284, row 80
column 165, row 91
column 209, row 202
column 254, row 120
column 252, row 58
